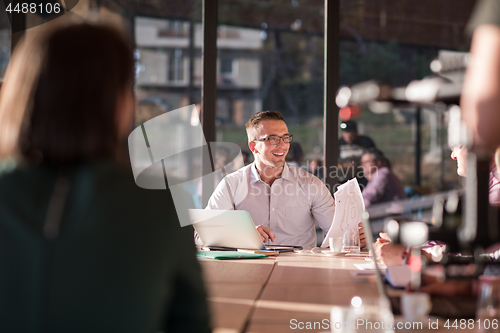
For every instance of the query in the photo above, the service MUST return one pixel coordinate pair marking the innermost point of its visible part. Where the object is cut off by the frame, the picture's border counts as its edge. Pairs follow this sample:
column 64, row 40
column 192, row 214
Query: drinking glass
column 351, row 241
column 368, row 315
column 488, row 306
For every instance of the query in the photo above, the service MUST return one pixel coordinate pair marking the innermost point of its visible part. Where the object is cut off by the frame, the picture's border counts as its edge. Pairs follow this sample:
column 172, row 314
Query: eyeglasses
column 275, row 140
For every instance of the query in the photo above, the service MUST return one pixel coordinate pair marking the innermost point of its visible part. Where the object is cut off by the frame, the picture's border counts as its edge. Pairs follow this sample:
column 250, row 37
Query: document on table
column 349, row 207
column 370, row 266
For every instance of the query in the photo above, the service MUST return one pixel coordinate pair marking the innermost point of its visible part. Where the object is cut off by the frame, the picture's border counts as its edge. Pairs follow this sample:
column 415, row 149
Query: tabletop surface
column 276, row 294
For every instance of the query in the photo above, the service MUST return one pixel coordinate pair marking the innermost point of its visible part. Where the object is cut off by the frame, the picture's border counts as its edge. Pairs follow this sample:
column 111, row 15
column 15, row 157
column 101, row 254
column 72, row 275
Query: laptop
column 226, row 228
column 233, row 229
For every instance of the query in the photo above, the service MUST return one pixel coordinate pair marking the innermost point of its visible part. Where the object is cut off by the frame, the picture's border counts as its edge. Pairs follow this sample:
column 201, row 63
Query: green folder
column 228, row 255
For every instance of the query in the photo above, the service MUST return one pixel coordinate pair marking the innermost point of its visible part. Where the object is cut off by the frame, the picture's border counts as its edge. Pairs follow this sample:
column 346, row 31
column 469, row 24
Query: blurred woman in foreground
column 82, row 248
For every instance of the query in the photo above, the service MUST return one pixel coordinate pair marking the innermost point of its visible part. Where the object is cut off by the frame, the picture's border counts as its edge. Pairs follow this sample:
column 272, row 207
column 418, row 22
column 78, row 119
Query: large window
column 270, row 56
column 394, row 42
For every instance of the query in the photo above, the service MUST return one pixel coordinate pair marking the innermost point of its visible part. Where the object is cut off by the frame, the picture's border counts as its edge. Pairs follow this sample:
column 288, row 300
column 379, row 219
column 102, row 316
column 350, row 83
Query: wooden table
column 264, row 295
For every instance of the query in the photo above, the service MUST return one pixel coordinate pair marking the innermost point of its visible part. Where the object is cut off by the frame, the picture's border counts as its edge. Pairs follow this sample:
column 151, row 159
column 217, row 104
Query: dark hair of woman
column 61, row 98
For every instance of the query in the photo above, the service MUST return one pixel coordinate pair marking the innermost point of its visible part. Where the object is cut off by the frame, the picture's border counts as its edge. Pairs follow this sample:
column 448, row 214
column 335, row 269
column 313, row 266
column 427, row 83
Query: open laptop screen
column 226, row 228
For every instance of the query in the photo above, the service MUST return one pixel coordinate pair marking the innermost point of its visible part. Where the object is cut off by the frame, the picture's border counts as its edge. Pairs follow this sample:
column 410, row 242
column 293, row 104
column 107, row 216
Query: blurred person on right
column 480, row 97
column 459, row 153
column 480, row 100
column 383, row 185
column 82, row 247
column 393, row 254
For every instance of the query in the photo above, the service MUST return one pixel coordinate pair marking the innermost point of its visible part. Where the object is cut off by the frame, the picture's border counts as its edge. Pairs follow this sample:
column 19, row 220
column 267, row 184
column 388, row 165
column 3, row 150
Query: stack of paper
column 349, row 207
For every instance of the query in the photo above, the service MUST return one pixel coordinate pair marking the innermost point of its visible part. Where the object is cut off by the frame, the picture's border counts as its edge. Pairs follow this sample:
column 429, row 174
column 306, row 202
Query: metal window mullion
column 331, row 82
column 209, row 87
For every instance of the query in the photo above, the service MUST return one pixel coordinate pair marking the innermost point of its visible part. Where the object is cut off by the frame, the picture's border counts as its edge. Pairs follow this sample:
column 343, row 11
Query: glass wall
column 167, row 51
column 168, row 77
column 394, row 42
column 271, row 57
column 168, row 39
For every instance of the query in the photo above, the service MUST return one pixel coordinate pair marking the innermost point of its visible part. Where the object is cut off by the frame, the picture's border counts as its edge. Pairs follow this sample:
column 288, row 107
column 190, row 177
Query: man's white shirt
column 288, row 207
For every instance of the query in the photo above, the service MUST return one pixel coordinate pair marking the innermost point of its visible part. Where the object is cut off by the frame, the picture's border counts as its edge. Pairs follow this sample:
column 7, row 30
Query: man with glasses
column 282, row 200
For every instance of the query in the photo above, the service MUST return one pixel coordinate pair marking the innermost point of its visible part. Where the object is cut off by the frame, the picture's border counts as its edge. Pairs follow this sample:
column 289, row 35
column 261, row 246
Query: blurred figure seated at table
column 383, row 185
column 82, row 247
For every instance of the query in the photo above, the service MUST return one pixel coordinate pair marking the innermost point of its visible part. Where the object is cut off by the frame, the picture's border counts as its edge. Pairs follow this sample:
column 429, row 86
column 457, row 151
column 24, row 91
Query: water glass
column 488, row 306
column 366, row 315
column 351, row 241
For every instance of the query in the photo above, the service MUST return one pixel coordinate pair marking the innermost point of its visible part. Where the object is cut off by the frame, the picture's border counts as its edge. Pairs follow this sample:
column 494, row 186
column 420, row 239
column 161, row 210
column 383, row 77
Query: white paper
column 349, row 207
column 370, row 266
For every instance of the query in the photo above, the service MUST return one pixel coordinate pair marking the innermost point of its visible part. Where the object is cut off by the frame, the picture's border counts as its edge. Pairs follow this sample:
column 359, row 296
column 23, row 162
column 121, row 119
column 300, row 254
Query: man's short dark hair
column 253, row 122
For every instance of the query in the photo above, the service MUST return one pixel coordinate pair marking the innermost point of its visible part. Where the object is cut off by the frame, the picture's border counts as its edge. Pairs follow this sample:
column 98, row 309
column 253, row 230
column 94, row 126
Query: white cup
column 415, row 306
column 335, row 244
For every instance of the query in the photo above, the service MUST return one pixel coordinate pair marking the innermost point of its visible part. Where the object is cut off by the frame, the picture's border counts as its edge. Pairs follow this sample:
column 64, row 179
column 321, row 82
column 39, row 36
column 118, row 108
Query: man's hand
column 362, row 238
column 265, row 233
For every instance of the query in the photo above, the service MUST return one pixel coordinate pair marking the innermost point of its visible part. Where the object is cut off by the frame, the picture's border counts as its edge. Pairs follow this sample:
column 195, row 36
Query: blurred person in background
column 383, row 185
column 82, row 247
column 351, row 147
column 246, row 157
column 480, row 99
column 351, row 144
column 316, row 167
column 392, row 255
column 459, row 153
column 295, row 155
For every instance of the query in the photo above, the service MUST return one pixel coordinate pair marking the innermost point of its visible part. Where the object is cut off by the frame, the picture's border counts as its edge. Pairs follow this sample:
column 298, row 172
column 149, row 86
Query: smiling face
column 460, row 155
column 268, row 155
